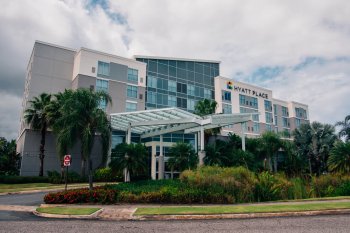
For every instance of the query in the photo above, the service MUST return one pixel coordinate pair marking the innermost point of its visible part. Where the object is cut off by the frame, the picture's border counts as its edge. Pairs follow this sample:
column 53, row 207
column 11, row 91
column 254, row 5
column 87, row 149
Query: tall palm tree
column 271, row 143
column 339, row 159
column 345, row 128
column 82, row 119
column 36, row 116
column 182, row 157
column 135, row 162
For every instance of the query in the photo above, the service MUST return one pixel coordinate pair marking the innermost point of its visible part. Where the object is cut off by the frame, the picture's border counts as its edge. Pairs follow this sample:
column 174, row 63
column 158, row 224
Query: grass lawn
column 233, row 209
column 67, row 210
column 6, row 188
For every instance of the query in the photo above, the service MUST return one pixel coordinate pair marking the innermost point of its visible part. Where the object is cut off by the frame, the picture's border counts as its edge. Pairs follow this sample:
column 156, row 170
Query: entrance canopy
column 150, row 123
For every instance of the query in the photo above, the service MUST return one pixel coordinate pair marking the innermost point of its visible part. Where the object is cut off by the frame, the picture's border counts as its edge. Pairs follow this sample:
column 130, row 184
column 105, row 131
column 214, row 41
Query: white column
column 243, row 136
column 196, row 142
column 154, row 162
column 201, row 153
column 128, row 141
column 161, row 160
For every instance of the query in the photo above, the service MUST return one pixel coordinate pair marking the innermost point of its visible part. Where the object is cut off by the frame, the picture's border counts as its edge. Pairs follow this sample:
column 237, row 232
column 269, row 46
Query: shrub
column 324, row 185
column 343, row 189
column 98, row 195
column 104, row 174
column 56, row 178
column 23, row 179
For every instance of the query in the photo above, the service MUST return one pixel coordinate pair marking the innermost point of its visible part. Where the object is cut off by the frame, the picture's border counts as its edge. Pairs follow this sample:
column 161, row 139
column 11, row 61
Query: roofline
column 54, row 45
column 110, row 55
column 294, row 102
column 176, row 59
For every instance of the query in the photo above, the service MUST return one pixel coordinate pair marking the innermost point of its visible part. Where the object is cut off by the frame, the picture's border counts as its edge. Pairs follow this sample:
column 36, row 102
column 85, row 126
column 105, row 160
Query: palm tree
column 135, row 161
column 182, row 157
column 81, row 118
column 345, row 128
column 339, row 159
column 271, row 143
column 36, row 116
column 215, row 155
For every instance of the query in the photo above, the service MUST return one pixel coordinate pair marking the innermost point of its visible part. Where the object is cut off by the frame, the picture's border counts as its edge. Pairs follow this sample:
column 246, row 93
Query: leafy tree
column 239, row 157
column 36, row 116
column 270, row 145
column 215, row 154
column 9, row 158
column 315, row 140
column 339, row 159
column 345, row 128
column 82, row 119
column 182, row 157
column 132, row 157
column 294, row 164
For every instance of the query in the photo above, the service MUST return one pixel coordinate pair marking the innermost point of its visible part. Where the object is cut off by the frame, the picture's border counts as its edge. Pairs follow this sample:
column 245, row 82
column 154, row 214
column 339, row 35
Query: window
column 181, row 103
column 172, row 101
column 249, row 110
column 268, row 106
column 256, row 127
column 171, row 85
column 227, row 108
column 190, row 104
column 190, row 90
column 151, row 97
column 297, row 122
column 162, row 84
column 132, row 75
column 131, row 91
column 152, row 81
column 268, row 127
column 207, row 94
column 285, row 112
column 182, row 88
column 285, row 122
column 226, row 96
column 162, row 99
column 275, row 109
column 131, row 107
column 268, row 116
column 275, row 120
column 255, row 102
column 103, row 68
column 300, row 112
column 242, row 99
column 102, row 85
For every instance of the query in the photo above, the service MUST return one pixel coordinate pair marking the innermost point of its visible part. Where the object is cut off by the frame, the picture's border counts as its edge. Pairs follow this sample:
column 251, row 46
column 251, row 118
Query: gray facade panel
column 118, row 72
column 83, row 81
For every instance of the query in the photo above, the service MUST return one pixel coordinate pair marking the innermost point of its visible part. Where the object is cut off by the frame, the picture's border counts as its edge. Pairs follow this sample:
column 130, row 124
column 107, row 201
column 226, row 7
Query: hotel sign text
column 246, row 90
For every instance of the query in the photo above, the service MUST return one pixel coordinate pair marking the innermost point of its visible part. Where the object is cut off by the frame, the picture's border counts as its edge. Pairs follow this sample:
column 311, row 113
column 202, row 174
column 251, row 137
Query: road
column 30, row 199
column 318, row 224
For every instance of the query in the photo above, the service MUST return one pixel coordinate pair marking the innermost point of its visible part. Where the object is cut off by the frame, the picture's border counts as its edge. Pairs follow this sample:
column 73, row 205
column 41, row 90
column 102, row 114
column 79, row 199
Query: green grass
column 67, row 210
column 241, row 208
column 7, row 188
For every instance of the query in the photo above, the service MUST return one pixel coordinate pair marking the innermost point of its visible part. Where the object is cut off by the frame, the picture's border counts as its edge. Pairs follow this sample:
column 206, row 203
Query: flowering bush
column 97, row 195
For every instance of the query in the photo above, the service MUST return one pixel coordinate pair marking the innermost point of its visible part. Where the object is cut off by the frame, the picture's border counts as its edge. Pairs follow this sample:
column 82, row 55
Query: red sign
column 66, row 160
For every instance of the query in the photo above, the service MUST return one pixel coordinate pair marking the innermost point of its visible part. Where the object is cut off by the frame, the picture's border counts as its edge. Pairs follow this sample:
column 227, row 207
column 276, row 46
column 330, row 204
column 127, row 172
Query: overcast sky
column 299, row 49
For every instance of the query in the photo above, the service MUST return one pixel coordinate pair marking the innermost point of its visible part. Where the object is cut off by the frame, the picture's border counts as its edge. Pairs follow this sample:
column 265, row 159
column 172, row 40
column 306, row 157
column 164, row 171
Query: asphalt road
column 30, row 199
column 318, row 224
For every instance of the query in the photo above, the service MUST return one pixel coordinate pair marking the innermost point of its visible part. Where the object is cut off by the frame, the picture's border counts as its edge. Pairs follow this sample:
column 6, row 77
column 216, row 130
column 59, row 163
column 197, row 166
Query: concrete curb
column 92, row 216
column 241, row 216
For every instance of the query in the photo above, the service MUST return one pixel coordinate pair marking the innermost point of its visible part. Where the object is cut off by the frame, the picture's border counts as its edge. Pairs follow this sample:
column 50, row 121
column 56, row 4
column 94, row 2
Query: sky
column 299, row 49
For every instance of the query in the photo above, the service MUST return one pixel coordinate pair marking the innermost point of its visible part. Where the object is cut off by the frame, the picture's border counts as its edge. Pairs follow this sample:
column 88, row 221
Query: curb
column 240, row 216
column 92, row 216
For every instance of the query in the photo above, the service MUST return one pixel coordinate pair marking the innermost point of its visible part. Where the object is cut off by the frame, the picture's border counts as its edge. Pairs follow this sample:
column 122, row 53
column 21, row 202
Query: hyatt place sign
column 230, row 86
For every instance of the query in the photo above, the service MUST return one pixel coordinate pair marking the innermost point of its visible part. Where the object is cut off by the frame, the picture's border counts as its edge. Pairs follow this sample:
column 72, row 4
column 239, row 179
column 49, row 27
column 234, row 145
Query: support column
column 161, row 160
column 201, row 153
column 128, row 141
column 196, row 142
column 154, row 162
column 243, row 136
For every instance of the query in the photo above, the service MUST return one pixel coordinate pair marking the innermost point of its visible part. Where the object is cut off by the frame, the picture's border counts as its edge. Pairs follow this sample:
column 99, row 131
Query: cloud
column 297, row 48
column 10, row 106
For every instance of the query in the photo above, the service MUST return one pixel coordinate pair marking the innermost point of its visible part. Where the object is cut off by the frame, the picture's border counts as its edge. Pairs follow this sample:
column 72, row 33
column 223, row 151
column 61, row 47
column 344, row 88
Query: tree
column 9, row 158
column 314, row 141
column 345, row 128
column 132, row 157
column 270, row 144
column 339, row 159
column 36, row 116
column 81, row 118
column 215, row 154
column 294, row 164
column 182, row 157
column 207, row 107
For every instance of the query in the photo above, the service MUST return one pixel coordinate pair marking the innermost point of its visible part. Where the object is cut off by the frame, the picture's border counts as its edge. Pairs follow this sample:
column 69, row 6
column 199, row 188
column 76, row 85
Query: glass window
column 268, row 127
column 227, row 108
column 151, row 97
column 268, row 116
column 275, row 109
column 297, row 122
column 268, row 105
column 172, row 101
column 285, row 122
column 181, row 103
column 162, row 99
column 130, row 107
column 190, row 104
column 131, row 91
column 132, row 75
column 207, row 94
column 242, row 99
column 103, row 68
column 255, row 102
column 171, row 85
column 226, row 96
column 275, row 120
column 285, row 111
column 256, row 127
column 162, row 84
column 182, row 88
column 152, row 81
column 102, row 85
column 190, row 90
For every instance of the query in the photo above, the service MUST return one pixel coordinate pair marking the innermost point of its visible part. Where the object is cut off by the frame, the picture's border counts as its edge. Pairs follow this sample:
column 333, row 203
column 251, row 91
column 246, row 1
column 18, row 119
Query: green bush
column 298, row 189
column 23, row 179
column 343, row 189
column 56, row 178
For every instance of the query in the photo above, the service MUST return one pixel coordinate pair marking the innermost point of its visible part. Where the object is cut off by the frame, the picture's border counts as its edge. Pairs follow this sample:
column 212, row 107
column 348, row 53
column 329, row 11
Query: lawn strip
column 184, row 210
column 67, row 210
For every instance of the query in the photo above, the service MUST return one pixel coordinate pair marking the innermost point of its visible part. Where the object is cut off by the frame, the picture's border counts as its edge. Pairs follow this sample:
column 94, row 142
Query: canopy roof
column 150, row 123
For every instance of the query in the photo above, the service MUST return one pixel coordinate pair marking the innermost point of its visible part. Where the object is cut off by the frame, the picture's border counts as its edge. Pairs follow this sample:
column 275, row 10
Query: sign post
column 66, row 163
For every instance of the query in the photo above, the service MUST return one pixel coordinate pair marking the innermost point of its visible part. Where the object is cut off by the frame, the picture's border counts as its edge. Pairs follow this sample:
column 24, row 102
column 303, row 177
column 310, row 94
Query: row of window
column 170, row 100
column 300, row 113
column 248, row 101
column 103, row 69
